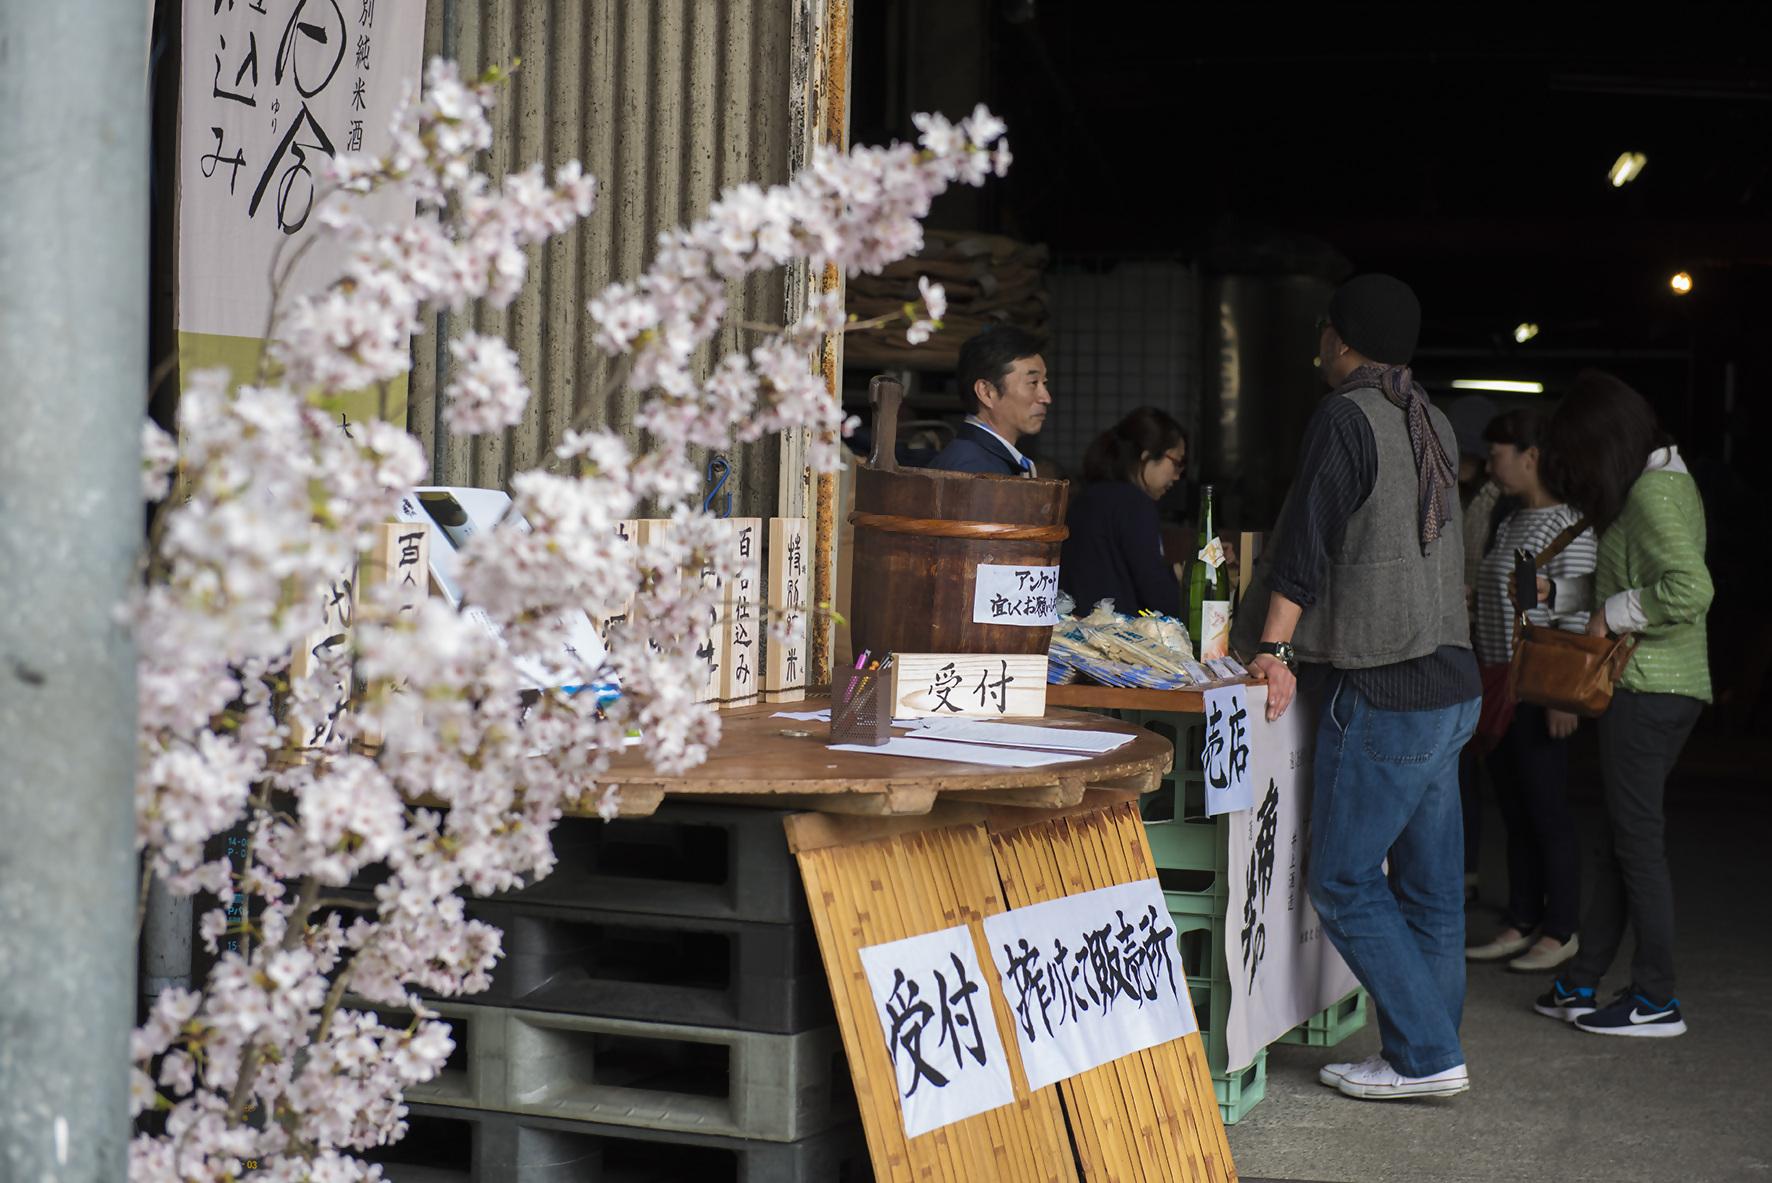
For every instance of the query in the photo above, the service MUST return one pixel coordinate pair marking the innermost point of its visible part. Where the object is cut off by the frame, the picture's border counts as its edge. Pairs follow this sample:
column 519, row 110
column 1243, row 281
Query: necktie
column 1027, row 467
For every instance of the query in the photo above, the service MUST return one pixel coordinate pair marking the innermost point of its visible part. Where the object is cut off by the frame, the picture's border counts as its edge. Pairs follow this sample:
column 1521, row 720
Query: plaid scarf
column 1436, row 474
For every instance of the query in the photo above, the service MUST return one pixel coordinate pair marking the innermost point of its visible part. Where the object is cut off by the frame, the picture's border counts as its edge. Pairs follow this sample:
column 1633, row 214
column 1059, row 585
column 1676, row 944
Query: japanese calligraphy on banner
column 271, row 89
column 1090, row 978
column 1282, row 969
column 1225, row 759
column 934, row 1006
column 1026, row 596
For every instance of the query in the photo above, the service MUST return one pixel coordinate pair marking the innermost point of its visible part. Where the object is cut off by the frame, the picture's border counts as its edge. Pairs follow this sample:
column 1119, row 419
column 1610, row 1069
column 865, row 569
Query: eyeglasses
column 1180, row 462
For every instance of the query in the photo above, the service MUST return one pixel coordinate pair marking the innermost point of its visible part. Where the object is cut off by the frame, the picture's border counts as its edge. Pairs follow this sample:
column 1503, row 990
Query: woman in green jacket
column 1613, row 462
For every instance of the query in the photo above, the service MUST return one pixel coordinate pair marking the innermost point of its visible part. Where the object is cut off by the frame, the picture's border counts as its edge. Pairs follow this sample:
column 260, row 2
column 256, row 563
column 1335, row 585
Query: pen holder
column 862, row 712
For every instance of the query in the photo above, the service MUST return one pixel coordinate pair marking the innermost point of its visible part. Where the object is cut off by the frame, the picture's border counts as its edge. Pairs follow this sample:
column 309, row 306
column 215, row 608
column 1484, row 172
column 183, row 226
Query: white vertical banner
column 1225, row 758
column 1282, row 969
column 271, row 91
column 934, row 1005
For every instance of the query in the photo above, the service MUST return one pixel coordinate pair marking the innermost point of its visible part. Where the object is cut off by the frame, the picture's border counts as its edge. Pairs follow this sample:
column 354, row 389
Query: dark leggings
column 1530, row 771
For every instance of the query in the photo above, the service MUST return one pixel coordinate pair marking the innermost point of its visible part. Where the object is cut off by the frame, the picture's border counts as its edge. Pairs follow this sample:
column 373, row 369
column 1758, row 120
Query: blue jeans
column 1387, row 785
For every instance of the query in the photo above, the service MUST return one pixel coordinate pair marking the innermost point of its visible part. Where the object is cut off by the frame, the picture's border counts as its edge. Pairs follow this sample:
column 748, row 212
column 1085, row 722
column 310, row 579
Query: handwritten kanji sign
column 1090, row 978
column 789, row 595
column 1026, row 596
column 933, row 1002
column 1225, row 758
column 972, row 685
column 272, row 91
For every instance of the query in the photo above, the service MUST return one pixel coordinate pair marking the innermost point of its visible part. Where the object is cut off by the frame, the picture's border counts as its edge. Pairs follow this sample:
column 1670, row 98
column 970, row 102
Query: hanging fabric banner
column 270, row 91
column 1282, row 968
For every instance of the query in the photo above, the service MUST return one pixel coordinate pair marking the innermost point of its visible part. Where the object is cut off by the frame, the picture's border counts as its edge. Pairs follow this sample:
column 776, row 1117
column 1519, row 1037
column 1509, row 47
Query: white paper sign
column 1026, row 596
column 272, row 91
column 1090, row 978
column 1225, row 758
column 1282, row 969
column 934, row 1006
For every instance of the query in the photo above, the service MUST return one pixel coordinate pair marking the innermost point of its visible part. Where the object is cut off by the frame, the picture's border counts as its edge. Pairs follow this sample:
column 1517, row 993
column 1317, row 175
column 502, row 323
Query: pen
column 862, row 660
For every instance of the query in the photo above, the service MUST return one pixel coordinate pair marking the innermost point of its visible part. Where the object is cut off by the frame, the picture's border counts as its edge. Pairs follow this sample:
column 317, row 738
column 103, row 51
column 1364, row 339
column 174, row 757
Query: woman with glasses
column 1115, row 548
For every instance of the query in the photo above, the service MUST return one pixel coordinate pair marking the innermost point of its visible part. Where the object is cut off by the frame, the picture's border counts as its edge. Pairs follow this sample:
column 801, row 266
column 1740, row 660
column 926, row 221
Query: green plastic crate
column 1191, row 850
column 1239, row 1092
column 1331, row 1025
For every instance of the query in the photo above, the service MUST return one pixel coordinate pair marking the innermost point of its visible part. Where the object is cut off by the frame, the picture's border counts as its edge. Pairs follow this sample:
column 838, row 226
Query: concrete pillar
column 73, row 339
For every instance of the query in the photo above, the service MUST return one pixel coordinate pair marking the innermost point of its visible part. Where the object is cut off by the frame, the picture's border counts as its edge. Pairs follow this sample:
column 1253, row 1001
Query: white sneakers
column 1332, row 1074
column 1373, row 1079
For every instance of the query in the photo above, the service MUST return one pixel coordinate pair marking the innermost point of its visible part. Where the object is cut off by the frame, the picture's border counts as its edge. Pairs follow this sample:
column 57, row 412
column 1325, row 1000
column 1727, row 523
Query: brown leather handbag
column 1561, row 670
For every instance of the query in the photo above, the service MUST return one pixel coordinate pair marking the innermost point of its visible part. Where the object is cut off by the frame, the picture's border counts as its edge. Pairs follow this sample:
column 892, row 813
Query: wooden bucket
column 920, row 537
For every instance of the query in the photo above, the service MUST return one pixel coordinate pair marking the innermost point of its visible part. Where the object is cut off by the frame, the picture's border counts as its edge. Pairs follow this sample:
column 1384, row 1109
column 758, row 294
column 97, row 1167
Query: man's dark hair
column 1118, row 452
column 1599, row 442
column 1523, row 428
column 989, row 355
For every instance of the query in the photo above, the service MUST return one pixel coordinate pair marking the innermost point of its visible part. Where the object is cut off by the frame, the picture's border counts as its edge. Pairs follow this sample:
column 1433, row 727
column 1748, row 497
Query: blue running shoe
column 1635, row 1014
column 1566, row 1002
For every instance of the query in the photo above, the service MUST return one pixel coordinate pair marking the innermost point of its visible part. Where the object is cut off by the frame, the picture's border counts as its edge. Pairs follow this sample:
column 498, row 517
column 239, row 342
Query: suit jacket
column 974, row 449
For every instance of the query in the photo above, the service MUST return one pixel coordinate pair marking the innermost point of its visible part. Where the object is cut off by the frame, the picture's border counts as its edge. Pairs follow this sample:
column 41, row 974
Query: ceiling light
column 1626, row 168
column 1681, row 283
column 1525, row 331
column 1498, row 384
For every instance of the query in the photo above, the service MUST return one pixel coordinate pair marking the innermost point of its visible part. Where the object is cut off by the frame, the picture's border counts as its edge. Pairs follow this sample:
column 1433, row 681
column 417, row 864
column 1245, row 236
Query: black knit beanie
column 1377, row 315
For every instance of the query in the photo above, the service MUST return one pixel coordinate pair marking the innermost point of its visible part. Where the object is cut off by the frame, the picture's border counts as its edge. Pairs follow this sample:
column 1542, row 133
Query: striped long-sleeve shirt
column 1531, row 530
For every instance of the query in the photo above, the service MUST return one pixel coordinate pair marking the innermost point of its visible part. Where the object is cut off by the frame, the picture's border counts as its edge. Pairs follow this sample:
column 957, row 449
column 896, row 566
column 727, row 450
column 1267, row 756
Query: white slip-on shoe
column 1497, row 948
column 1384, row 1083
column 1537, row 959
column 1332, row 1074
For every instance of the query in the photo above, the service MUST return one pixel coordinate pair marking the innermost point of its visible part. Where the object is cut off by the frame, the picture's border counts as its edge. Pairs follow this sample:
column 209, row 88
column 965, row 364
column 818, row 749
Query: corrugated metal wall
column 666, row 102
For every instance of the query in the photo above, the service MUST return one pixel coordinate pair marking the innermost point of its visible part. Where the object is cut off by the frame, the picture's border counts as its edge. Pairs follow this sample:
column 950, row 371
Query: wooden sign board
column 969, row 685
column 627, row 541
column 400, row 556
column 742, row 606
column 873, row 881
column 784, row 667
column 1151, row 1114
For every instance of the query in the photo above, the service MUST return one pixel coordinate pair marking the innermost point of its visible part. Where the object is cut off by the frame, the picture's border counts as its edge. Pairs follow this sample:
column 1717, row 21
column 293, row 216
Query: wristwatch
column 1282, row 650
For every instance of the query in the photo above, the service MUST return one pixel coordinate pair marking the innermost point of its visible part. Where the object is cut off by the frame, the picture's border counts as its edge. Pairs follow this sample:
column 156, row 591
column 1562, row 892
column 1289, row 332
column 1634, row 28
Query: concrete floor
column 1549, row 1103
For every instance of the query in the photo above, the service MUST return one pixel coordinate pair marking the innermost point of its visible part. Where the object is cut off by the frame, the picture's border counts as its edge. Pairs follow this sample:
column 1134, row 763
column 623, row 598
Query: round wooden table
column 760, row 760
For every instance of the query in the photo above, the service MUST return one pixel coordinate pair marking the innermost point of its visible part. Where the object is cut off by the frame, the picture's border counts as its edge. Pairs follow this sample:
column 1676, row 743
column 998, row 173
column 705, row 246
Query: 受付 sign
column 1090, row 978
column 934, row 1006
column 1026, row 596
column 974, row 685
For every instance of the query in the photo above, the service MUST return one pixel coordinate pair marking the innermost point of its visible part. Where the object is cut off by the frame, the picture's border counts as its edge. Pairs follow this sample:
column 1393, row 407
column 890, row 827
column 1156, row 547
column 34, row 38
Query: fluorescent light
column 1681, row 283
column 1525, row 331
column 1626, row 168
column 1498, row 384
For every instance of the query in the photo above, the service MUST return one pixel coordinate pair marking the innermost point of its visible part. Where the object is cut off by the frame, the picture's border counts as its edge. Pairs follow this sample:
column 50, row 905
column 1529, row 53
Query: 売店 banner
column 270, row 91
column 1282, row 968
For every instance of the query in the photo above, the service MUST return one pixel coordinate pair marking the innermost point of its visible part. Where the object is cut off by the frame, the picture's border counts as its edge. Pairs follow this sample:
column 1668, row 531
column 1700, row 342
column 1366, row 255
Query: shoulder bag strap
column 1561, row 541
column 1550, row 552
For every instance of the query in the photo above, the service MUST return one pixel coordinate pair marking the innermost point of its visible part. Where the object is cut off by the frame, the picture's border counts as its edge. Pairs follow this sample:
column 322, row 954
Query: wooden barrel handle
column 952, row 528
column 884, row 394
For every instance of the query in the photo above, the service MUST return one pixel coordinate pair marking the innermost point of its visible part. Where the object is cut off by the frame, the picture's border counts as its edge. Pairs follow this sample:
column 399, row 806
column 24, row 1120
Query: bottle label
column 1215, row 629
column 1213, row 554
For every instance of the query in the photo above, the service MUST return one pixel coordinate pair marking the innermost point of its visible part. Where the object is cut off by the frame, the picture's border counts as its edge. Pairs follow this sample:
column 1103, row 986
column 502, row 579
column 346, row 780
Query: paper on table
column 824, row 716
column 1021, row 735
column 959, row 753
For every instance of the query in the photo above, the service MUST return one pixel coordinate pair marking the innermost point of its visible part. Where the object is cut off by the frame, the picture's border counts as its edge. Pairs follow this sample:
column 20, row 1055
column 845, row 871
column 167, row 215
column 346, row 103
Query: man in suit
column 1003, row 377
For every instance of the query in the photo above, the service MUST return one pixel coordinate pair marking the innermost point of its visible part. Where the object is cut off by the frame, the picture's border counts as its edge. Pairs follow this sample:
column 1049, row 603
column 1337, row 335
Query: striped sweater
column 1650, row 579
column 1492, row 622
